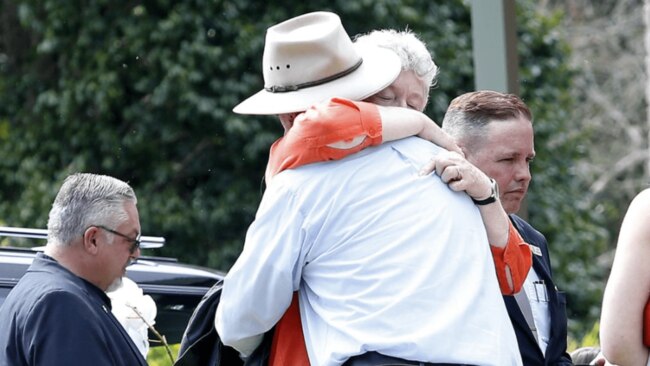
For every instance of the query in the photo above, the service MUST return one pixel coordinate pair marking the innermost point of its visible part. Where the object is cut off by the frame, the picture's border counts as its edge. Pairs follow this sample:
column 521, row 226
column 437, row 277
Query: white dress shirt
column 538, row 299
column 384, row 260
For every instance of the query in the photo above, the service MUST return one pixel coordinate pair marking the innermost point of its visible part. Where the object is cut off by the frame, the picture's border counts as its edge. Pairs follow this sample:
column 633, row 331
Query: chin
column 511, row 207
column 117, row 283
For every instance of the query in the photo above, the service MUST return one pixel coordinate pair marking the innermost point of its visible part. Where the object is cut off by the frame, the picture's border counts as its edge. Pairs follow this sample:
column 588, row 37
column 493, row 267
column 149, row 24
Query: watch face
column 495, row 188
column 493, row 196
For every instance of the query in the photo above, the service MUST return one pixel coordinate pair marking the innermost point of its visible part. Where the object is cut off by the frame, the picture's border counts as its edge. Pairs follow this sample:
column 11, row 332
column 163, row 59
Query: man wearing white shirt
column 384, row 260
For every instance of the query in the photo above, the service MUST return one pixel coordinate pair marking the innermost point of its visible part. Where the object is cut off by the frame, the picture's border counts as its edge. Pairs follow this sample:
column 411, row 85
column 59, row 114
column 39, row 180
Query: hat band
column 290, row 88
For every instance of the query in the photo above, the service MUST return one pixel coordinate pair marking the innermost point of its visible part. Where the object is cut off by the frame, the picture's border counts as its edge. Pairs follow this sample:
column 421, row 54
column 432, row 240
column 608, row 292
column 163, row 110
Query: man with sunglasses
column 58, row 313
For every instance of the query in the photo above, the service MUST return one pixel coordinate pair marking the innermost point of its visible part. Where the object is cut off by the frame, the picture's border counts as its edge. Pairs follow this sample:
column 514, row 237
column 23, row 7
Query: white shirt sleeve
column 246, row 346
column 259, row 287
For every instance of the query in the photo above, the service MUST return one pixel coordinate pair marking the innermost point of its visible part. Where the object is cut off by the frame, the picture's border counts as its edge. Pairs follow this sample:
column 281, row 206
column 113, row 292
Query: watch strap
column 493, row 195
column 486, row 201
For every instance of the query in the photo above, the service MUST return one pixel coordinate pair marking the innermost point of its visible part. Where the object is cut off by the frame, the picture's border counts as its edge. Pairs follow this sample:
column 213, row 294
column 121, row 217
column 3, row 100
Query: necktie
column 524, row 306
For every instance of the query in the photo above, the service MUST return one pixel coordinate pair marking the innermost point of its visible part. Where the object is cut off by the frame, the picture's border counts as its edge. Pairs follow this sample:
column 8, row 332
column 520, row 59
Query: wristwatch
column 493, row 195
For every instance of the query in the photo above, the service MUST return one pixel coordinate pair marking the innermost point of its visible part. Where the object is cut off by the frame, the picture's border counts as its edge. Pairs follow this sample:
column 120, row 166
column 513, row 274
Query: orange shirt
column 288, row 345
column 517, row 256
column 646, row 324
column 321, row 125
column 307, row 142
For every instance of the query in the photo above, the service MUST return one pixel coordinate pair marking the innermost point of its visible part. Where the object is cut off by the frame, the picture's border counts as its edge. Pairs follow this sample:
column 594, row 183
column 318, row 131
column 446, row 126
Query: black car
column 176, row 288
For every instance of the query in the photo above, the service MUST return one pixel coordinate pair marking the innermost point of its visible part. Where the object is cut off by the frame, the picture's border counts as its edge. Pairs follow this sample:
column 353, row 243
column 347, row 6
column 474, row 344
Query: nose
column 134, row 256
column 523, row 173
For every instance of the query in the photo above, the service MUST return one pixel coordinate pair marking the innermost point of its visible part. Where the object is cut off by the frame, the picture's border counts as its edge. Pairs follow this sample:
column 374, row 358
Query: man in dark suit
column 495, row 132
column 557, row 342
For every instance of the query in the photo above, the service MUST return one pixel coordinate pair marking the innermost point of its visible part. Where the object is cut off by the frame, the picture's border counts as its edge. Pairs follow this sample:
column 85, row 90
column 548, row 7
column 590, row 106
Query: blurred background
column 143, row 91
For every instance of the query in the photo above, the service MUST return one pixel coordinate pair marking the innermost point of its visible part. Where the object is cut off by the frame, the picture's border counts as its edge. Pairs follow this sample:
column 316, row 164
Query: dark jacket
column 54, row 318
column 201, row 344
column 531, row 354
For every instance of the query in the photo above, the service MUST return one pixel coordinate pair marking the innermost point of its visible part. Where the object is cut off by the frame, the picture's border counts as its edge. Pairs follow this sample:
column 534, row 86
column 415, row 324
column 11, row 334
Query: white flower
column 134, row 311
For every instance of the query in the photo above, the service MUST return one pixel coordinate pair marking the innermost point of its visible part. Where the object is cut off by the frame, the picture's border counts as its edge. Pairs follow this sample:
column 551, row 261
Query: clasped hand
column 459, row 174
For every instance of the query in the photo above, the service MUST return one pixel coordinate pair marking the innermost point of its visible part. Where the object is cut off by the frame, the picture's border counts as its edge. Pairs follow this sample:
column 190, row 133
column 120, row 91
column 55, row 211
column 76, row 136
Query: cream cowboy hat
column 310, row 58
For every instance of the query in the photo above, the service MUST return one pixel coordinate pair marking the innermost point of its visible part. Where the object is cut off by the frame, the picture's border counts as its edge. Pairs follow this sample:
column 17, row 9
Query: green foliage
column 590, row 339
column 144, row 90
column 557, row 199
column 158, row 356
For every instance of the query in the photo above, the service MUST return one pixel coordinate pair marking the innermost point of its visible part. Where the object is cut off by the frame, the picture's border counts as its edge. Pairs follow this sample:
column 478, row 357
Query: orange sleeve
column 288, row 345
column 517, row 256
column 336, row 120
column 646, row 324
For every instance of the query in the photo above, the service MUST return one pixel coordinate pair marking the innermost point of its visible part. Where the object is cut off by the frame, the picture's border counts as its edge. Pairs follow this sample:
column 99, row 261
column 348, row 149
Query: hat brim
column 380, row 67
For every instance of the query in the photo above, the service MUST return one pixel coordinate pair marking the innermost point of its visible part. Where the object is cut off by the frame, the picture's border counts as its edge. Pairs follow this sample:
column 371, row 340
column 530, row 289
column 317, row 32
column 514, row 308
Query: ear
column 90, row 240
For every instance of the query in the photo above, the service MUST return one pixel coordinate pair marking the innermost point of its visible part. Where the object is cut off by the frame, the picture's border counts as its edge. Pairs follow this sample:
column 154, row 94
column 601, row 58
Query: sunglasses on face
column 135, row 242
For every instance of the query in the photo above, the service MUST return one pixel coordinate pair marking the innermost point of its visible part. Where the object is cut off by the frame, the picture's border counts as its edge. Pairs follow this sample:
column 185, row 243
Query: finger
column 456, row 185
column 450, row 174
column 427, row 168
column 442, row 166
column 458, row 175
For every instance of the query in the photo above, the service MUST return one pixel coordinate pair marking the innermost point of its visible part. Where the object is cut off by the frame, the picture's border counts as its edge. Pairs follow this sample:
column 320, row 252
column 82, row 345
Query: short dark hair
column 469, row 113
column 491, row 104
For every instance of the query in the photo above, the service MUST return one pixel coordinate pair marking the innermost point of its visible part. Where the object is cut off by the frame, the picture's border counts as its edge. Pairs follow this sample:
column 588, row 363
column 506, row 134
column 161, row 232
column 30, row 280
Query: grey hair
column 469, row 114
column 412, row 51
column 85, row 200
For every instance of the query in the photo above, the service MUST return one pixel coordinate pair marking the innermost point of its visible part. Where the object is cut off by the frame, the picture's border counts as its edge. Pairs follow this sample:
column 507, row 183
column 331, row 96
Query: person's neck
column 73, row 260
column 52, row 251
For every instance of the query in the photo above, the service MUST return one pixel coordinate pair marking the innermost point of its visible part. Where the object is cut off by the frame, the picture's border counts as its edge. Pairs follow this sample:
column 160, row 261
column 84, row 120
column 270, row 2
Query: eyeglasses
column 135, row 243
